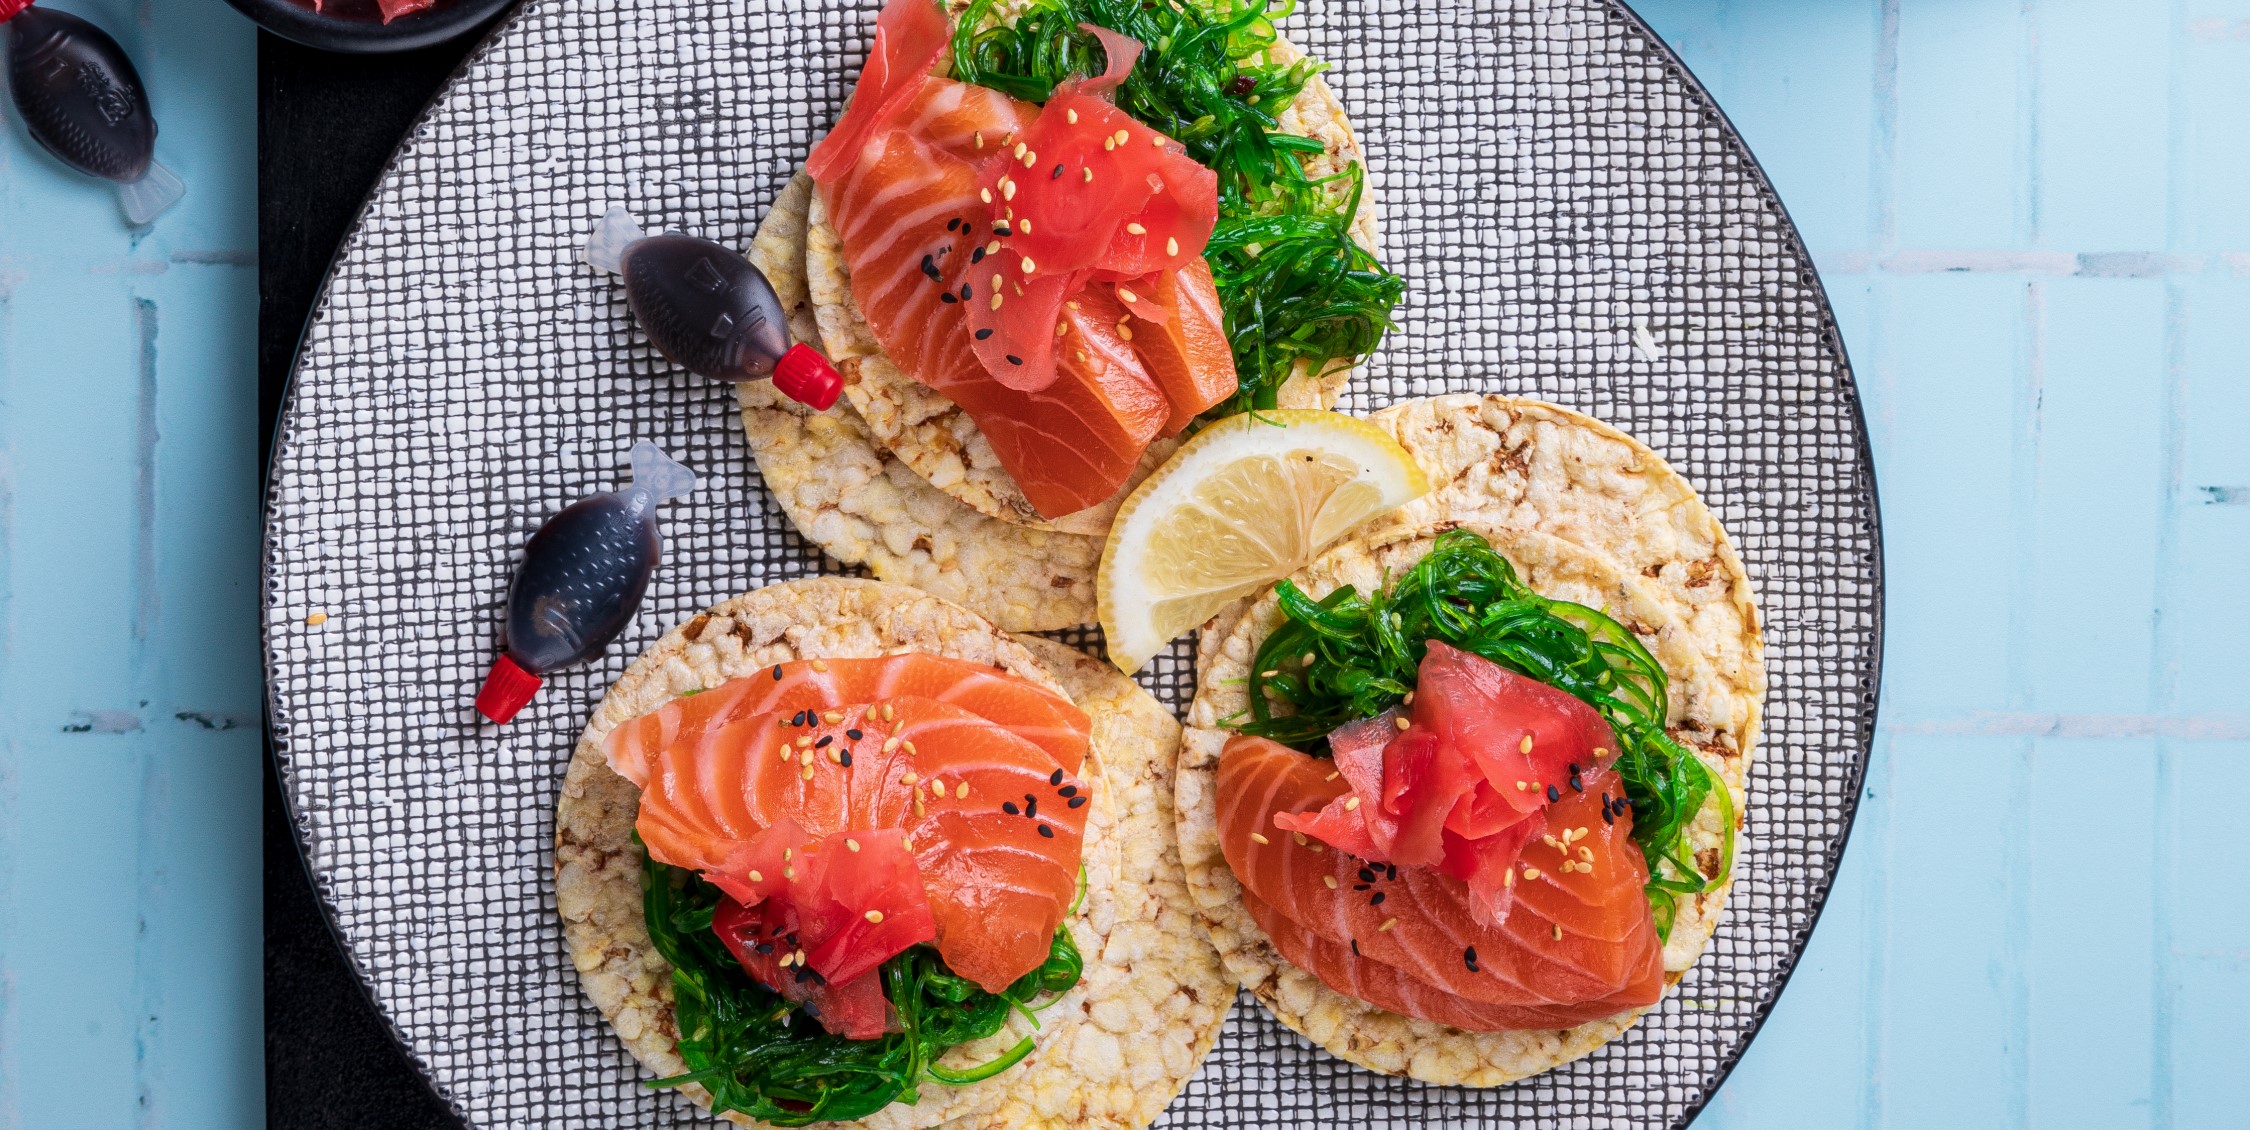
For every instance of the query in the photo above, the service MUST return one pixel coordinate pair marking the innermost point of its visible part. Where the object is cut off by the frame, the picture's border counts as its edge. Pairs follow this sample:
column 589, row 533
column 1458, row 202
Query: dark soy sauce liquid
column 582, row 578
column 704, row 307
column 79, row 95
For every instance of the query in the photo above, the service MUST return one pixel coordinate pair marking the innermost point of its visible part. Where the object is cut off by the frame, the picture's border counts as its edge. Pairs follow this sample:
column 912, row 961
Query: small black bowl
column 357, row 27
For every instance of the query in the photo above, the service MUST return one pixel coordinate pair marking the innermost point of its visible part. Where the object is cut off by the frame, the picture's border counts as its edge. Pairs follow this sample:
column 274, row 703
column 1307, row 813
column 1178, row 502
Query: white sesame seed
column 1024, row 225
column 1019, row 149
column 789, row 873
column 1525, row 744
column 1332, row 776
column 1171, row 247
column 1386, row 926
column 962, row 792
column 1008, row 189
column 1129, row 296
column 886, row 712
column 1124, row 331
column 910, row 750
column 890, row 744
column 992, row 248
column 1109, row 144
column 980, row 139
column 1299, row 837
column 1089, row 173
column 1351, row 804
column 1328, row 881
column 1061, row 328
column 852, row 844
column 874, row 916
column 1259, row 838
column 911, row 780
column 1156, row 139
column 1123, row 136
column 805, row 757
column 832, row 717
column 820, row 665
column 1072, row 115
column 804, row 740
column 1586, row 853
column 1558, row 931
column 1531, row 873
column 1135, row 228
column 996, row 301
column 1028, row 265
column 756, row 878
column 1401, row 722
column 808, row 772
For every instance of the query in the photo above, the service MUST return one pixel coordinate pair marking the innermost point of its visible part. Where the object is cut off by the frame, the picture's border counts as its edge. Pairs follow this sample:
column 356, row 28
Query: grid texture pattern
column 1574, row 219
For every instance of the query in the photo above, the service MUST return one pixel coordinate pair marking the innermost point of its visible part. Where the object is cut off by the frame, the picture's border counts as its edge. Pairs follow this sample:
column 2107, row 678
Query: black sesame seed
column 1009, row 807
column 1393, row 869
column 1068, row 791
column 1361, row 886
column 1575, row 786
column 953, row 224
column 1573, row 767
column 1608, row 817
column 967, row 292
column 1076, row 801
column 976, row 256
column 1014, row 360
column 1366, row 875
column 1553, row 794
column 1378, row 899
column 1031, row 807
column 854, row 735
column 1055, row 778
column 777, row 672
column 1355, row 947
column 947, row 297
column 1003, row 230
column 845, row 759
column 763, row 947
column 984, row 333
column 1046, row 831
column 1469, row 958
column 929, row 267
column 823, row 742
column 804, row 974
column 1057, row 174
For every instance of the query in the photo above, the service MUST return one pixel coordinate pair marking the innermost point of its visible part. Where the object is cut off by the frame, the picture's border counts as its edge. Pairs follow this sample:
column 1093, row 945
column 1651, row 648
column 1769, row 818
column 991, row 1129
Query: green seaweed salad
column 1365, row 650
column 765, row 1056
column 1293, row 286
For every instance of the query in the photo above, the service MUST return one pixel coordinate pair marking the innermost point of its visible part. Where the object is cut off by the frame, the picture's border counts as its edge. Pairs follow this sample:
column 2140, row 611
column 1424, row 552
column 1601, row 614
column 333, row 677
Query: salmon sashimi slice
column 1181, row 334
column 1392, row 990
column 816, row 919
column 995, row 824
column 1070, row 445
column 1029, row 711
column 962, row 120
column 1468, row 781
column 910, row 37
column 1578, row 935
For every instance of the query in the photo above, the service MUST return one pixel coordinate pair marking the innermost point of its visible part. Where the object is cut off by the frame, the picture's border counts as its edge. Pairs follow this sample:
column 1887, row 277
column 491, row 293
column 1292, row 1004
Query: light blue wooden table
column 2033, row 218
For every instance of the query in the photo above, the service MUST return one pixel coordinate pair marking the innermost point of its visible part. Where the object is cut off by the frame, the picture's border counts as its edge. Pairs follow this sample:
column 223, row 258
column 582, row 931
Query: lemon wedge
column 1249, row 501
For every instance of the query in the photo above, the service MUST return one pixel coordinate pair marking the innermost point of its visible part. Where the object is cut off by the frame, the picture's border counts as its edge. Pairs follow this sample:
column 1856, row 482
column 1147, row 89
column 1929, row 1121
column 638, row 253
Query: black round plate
column 347, row 30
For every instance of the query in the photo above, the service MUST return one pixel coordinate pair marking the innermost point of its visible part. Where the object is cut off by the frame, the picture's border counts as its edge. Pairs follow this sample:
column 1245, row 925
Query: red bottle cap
column 9, row 8
column 802, row 374
column 506, row 687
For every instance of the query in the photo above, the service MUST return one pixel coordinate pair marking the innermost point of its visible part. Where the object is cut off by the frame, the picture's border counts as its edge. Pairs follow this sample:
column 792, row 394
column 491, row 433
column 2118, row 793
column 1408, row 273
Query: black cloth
column 326, row 126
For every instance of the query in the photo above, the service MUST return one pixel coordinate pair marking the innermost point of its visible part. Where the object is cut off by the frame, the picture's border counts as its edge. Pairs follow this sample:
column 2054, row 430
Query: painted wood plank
column 129, row 850
column 1961, row 126
column 2089, row 954
column 2083, row 633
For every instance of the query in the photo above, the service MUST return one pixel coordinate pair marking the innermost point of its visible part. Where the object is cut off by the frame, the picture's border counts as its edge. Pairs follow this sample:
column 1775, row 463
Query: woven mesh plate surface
column 1574, row 219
